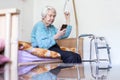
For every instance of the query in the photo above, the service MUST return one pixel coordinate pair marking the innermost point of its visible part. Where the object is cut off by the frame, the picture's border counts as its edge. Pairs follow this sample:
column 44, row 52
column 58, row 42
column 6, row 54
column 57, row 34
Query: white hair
column 45, row 11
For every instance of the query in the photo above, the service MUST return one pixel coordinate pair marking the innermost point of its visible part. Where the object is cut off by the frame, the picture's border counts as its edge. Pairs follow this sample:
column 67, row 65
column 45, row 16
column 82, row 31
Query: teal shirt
column 42, row 36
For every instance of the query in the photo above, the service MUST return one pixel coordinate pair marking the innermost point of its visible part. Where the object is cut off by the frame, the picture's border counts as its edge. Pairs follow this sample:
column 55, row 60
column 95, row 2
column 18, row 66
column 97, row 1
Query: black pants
column 67, row 56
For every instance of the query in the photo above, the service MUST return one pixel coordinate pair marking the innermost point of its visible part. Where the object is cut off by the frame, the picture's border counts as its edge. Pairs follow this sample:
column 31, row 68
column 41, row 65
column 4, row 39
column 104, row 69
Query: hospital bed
column 9, row 25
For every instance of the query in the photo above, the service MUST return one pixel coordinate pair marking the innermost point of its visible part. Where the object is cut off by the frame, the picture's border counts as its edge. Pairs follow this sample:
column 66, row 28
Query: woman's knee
column 78, row 57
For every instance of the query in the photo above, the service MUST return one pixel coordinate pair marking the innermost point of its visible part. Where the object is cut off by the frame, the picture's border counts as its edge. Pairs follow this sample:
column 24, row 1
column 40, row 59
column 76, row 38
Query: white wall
column 99, row 17
column 102, row 18
column 26, row 15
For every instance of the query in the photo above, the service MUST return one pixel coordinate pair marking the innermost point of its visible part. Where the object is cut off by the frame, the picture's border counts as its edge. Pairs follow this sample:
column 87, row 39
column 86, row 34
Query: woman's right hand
column 59, row 34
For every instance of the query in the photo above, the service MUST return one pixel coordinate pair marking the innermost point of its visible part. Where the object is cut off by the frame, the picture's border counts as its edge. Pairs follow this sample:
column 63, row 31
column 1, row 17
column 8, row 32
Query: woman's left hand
column 67, row 17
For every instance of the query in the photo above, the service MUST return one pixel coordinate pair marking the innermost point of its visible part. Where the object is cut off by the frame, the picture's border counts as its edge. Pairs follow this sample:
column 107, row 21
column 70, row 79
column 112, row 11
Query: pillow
column 68, row 49
column 2, row 45
column 3, row 60
column 40, row 52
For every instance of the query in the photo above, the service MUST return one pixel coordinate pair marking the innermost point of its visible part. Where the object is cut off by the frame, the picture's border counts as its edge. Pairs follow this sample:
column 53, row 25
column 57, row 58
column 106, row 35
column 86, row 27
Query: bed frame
column 9, row 32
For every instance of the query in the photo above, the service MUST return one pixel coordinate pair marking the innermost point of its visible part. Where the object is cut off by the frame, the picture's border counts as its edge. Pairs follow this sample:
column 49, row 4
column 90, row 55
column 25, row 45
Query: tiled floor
column 85, row 71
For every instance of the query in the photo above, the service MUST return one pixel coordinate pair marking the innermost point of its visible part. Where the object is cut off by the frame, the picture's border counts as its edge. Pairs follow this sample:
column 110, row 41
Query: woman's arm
column 43, row 37
column 67, row 17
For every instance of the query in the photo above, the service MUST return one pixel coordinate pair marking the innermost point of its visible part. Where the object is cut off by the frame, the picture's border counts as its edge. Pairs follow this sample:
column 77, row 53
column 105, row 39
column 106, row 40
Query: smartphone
column 63, row 26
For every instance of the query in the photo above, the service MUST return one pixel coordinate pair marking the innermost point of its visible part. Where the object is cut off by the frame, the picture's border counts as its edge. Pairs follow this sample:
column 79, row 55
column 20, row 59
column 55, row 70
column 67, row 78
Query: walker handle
column 85, row 35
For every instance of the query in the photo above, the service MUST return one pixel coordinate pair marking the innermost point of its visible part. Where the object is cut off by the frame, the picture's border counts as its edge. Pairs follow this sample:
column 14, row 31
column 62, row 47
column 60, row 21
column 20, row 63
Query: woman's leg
column 67, row 56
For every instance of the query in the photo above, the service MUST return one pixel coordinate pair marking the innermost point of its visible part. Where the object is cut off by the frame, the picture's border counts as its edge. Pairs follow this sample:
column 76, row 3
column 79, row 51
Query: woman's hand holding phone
column 64, row 26
column 60, row 33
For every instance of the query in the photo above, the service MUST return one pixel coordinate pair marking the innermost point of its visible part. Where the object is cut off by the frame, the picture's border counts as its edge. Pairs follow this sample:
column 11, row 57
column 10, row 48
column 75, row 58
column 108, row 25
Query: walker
column 95, row 41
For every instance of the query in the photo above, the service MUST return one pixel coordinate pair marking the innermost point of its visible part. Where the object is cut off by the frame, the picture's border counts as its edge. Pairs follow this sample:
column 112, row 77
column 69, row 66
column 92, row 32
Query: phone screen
column 63, row 26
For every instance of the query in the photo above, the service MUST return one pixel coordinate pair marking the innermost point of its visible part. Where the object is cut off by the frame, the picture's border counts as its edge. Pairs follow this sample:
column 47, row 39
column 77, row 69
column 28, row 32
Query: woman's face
column 50, row 17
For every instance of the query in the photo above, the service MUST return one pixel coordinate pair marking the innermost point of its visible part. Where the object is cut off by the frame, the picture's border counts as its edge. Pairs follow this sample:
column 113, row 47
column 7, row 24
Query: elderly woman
column 45, row 34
